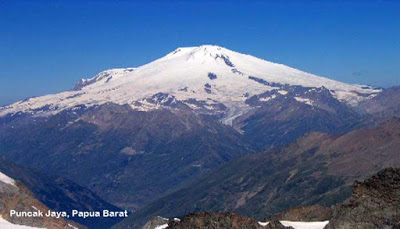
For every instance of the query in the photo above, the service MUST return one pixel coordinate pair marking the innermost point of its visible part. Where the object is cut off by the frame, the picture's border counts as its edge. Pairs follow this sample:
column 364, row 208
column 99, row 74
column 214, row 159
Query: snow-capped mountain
column 125, row 129
column 207, row 78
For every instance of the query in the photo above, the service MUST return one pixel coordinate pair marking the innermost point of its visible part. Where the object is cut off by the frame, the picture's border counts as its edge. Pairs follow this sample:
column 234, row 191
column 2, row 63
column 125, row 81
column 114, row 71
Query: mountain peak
column 206, row 75
column 200, row 52
column 203, row 48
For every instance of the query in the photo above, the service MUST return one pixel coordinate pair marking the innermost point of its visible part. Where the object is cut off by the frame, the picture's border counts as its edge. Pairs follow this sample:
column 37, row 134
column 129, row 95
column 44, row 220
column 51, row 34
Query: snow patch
column 72, row 226
column 162, row 226
column 304, row 100
column 300, row 225
column 282, row 92
column 6, row 179
column 4, row 224
column 305, row 225
column 268, row 98
column 233, row 113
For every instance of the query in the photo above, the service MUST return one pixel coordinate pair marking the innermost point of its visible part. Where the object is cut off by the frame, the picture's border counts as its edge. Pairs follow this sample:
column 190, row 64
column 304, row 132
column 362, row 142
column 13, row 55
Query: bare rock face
column 275, row 224
column 375, row 203
column 154, row 222
column 212, row 220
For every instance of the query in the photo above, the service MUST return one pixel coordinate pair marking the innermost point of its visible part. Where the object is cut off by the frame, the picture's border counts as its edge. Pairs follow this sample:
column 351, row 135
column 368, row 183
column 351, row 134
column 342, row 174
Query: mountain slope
column 60, row 194
column 129, row 151
column 384, row 106
column 316, row 169
column 122, row 154
column 282, row 116
column 15, row 196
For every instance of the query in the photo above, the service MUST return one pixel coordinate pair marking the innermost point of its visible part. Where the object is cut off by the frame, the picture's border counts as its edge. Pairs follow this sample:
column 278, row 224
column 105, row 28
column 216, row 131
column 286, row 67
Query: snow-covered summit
column 206, row 74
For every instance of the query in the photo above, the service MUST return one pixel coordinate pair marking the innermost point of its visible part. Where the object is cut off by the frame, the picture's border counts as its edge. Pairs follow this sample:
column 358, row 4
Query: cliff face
column 375, row 203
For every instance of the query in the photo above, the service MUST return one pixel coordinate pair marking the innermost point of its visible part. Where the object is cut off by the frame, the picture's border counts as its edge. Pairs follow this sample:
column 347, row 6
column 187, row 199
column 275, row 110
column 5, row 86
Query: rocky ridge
column 375, row 203
column 15, row 196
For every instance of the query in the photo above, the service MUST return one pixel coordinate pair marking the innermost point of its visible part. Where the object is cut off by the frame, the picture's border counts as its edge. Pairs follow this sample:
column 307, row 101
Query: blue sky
column 46, row 46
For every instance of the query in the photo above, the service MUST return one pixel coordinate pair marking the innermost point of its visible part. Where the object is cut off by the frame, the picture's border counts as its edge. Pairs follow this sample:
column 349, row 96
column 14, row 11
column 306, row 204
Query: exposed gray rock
column 154, row 222
column 275, row 224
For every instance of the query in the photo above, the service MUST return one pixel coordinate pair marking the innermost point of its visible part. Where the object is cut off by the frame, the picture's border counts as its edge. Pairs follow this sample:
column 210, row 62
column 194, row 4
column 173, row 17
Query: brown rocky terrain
column 305, row 213
column 19, row 198
column 212, row 220
column 275, row 224
column 61, row 194
column 375, row 203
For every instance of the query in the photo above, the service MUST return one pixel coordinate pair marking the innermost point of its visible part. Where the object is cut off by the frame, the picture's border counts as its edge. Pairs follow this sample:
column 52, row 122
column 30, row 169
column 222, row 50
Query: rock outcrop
column 275, row 224
column 305, row 214
column 15, row 196
column 60, row 194
column 155, row 222
column 375, row 203
column 212, row 220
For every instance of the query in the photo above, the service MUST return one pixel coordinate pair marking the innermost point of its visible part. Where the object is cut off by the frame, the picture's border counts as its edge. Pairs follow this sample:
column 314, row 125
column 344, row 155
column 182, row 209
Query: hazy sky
column 46, row 46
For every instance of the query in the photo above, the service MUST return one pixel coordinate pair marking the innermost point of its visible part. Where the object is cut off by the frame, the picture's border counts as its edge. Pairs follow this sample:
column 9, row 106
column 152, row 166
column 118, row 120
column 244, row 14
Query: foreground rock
column 275, row 224
column 155, row 222
column 214, row 220
column 375, row 203
column 62, row 195
column 305, row 214
column 14, row 196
